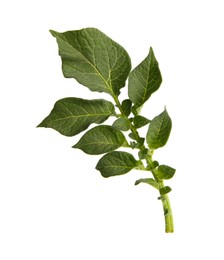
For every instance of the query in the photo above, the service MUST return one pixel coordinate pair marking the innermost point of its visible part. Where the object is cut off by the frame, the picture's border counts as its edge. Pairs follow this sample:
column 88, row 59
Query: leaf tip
column 151, row 52
column 137, row 182
column 77, row 146
column 41, row 125
column 53, row 33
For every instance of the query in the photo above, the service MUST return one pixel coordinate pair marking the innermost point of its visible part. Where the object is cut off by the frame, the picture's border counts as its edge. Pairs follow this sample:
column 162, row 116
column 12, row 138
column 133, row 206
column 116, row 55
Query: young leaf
column 159, row 130
column 143, row 154
column 149, row 181
column 93, row 59
column 133, row 145
column 132, row 136
column 165, row 190
column 126, row 106
column 140, row 121
column 152, row 166
column 144, row 80
column 165, row 172
column 116, row 163
column 71, row 116
column 121, row 124
column 137, row 145
column 101, row 139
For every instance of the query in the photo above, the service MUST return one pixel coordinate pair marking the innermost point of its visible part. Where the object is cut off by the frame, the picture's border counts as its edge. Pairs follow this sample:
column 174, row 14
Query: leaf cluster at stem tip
column 102, row 65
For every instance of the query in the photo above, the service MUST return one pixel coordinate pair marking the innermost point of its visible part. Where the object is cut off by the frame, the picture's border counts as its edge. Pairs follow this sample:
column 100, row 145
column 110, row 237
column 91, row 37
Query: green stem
column 133, row 129
column 167, row 210
column 169, row 224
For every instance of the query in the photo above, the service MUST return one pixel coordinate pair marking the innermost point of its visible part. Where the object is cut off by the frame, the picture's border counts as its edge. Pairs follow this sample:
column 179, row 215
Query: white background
column 53, row 203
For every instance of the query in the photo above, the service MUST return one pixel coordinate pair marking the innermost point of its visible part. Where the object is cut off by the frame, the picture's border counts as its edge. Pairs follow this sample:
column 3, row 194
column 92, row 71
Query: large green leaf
column 93, row 59
column 71, row 116
column 101, row 139
column 144, row 80
column 116, row 163
column 159, row 130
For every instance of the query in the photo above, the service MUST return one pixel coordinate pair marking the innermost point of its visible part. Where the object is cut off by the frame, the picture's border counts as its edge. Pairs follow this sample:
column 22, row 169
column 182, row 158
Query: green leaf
column 126, row 106
column 149, row 181
column 93, row 59
column 116, row 163
column 144, row 80
column 165, row 172
column 152, row 166
column 165, row 190
column 159, row 130
column 122, row 124
column 133, row 145
column 137, row 144
column 132, row 136
column 140, row 121
column 71, row 116
column 101, row 139
column 143, row 154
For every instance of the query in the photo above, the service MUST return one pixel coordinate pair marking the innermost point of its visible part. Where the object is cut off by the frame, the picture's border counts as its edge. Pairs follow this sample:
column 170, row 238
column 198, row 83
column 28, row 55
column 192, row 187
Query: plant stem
column 169, row 224
column 167, row 210
column 133, row 129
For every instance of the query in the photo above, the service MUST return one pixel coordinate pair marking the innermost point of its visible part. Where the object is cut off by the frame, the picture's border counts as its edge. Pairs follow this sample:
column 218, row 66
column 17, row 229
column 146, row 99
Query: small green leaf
column 165, row 190
column 132, row 136
column 159, row 130
column 144, row 80
column 126, row 106
column 93, row 59
column 133, row 145
column 122, row 124
column 116, row 163
column 101, row 139
column 71, row 116
column 143, row 154
column 152, row 166
column 139, row 142
column 165, row 172
column 140, row 121
column 149, row 181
